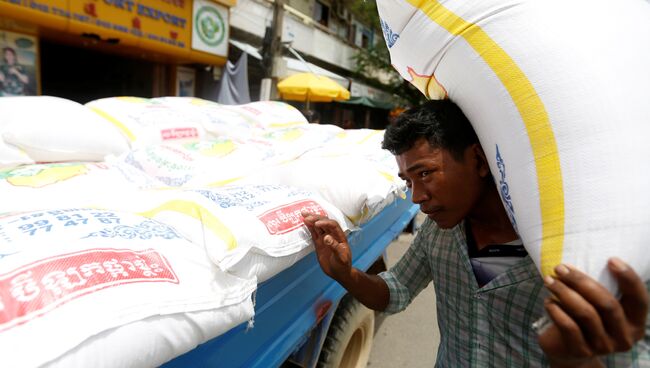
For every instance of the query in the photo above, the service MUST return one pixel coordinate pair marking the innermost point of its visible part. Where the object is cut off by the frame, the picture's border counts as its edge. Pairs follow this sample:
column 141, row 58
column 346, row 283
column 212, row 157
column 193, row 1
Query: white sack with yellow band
column 557, row 92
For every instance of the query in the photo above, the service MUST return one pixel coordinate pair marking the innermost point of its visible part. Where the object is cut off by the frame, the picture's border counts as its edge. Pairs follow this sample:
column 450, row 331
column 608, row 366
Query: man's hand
column 588, row 320
column 332, row 249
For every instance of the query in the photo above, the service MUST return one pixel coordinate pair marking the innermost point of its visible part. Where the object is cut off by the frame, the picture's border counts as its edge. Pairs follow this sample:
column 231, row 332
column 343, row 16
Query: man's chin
column 442, row 223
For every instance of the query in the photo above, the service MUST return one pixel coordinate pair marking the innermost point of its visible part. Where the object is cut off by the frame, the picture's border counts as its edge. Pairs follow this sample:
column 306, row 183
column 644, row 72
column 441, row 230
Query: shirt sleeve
column 411, row 274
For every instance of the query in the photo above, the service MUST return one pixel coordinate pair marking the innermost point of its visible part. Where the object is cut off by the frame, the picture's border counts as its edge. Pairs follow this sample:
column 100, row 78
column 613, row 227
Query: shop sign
column 19, row 64
column 210, row 30
column 166, row 23
column 158, row 23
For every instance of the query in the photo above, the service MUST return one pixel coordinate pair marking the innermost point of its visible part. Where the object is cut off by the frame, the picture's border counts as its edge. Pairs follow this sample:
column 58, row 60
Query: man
column 13, row 78
column 486, row 304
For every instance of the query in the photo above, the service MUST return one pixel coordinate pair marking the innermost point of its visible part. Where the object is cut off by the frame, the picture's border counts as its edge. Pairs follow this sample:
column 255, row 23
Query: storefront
column 88, row 49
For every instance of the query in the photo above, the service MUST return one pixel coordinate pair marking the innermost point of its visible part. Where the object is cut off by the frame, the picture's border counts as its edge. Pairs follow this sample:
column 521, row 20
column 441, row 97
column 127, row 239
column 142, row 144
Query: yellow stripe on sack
column 115, row 122
column 534, row 116
column 367, row 138
column 224, row 182
column 200, row 213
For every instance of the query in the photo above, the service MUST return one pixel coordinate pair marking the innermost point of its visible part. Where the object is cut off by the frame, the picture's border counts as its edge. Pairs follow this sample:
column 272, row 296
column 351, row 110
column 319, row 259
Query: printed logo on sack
column 38, row 288
column 286, row 218
column 505, row 190
column 210, row 26
column 179, row 133
column 390, row 36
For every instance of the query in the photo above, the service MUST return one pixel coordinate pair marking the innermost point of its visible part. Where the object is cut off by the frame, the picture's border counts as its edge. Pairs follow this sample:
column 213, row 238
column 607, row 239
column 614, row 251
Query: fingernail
column 548, row 280
column 328, row 241
column 618, row 264
column 562, row 270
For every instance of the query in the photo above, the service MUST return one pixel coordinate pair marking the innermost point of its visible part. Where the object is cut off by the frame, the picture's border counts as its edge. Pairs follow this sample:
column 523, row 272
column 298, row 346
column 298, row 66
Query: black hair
column 7, row 48
column 440, row 122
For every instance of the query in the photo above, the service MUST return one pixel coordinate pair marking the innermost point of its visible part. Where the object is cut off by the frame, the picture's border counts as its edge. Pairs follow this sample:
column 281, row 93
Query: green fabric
column 480, row 327
column 367, row 101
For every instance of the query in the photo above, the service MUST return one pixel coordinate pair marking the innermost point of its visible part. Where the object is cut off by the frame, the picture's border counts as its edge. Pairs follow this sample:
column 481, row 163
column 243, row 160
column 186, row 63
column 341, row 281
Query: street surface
column 410, row 338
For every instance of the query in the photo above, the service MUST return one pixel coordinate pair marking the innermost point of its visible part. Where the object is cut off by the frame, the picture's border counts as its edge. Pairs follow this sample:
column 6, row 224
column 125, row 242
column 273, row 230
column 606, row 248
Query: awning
column 367, row 101
column 295, row 66
column 249, row 49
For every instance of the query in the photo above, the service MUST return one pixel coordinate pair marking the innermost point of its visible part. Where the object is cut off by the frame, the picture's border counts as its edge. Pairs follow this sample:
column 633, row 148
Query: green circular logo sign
column 210, row 26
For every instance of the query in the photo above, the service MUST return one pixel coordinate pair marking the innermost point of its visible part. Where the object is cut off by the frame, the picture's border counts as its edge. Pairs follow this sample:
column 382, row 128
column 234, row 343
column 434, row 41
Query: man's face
column 446, row 189
column 9, row 57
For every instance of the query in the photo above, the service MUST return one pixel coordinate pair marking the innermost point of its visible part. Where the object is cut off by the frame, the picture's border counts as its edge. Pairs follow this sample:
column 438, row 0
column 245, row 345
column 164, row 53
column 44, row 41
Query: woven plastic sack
column 209, row 162
column 55, row 185
column 355, row 185
column 11, row 156
column 53, row 129
column 557, row 93
column 234, row 222
column 146, row 121
column 85, row 272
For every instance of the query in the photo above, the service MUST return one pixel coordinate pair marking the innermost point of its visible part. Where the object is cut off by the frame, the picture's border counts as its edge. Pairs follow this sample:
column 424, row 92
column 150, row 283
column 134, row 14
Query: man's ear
column 482, row 166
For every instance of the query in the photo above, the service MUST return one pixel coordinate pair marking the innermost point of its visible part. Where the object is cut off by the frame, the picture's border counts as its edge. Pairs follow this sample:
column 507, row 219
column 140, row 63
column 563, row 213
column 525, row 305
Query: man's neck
column 489, row 221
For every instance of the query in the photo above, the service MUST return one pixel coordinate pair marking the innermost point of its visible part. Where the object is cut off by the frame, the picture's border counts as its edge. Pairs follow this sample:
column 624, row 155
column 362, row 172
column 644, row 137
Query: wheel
column 349, row 339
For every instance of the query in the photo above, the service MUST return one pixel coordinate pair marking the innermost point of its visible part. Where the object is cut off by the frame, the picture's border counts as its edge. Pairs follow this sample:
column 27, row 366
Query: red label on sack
column 288, row 217
column 39, row 287
column 179, row 133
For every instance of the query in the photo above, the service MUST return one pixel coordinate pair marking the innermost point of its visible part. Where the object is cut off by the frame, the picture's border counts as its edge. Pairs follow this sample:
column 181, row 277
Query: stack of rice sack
column 135, row 217
column 52, row 129
column 80, row 287
column 557, row 92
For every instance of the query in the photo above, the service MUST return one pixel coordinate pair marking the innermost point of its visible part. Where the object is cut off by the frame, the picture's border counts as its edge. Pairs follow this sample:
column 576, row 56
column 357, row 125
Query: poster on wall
column 185, row 81
column 19, row 64
column 210, row 27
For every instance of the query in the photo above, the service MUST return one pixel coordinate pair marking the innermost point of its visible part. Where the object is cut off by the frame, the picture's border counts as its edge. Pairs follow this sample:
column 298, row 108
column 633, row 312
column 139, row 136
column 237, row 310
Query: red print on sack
column 179, row 133
column 37, row 288
column 286, row 218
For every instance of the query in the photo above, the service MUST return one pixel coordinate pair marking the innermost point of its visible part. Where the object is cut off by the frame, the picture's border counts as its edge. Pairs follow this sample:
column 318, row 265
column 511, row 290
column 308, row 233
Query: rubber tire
column 349, row 338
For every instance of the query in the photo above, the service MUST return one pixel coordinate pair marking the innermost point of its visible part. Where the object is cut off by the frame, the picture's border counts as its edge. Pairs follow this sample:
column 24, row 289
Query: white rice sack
column 49, row 186
column 86, row 271
column 145, row 121
column 355, row 185
column 293, row 142
column 11, row 156
column 218, row 120
column 211, row 162
column 155, row 340
column 270, row 114
column 557, row 92
column 53, row 129
column 233, row 222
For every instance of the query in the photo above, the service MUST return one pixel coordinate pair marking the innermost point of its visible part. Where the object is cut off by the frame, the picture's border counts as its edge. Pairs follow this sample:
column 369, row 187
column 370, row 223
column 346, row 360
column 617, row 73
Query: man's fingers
column 340, row 249
column 634, row 295
column 573, row 299
column 331, row 227
column 568, row 330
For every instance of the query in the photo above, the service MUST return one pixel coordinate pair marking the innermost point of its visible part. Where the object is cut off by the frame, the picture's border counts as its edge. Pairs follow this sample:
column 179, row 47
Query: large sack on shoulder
column 54, row 129
column 557, row 92
column 72, row 279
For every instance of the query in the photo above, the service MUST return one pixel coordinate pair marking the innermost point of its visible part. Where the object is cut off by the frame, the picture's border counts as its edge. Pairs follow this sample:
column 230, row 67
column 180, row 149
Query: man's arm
column 588, row 320
column 335, row 258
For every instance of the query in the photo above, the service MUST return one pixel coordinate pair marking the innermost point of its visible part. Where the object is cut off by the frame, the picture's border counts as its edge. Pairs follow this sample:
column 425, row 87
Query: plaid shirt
column 480, row 327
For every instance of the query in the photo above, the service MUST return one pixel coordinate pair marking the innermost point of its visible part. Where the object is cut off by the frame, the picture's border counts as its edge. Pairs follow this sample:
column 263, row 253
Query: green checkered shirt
column 480, row 327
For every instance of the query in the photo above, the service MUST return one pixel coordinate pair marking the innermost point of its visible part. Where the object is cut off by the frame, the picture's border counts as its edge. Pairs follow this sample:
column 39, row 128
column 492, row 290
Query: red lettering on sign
column 37, row 288
column 179, row 133
column 286, row 218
